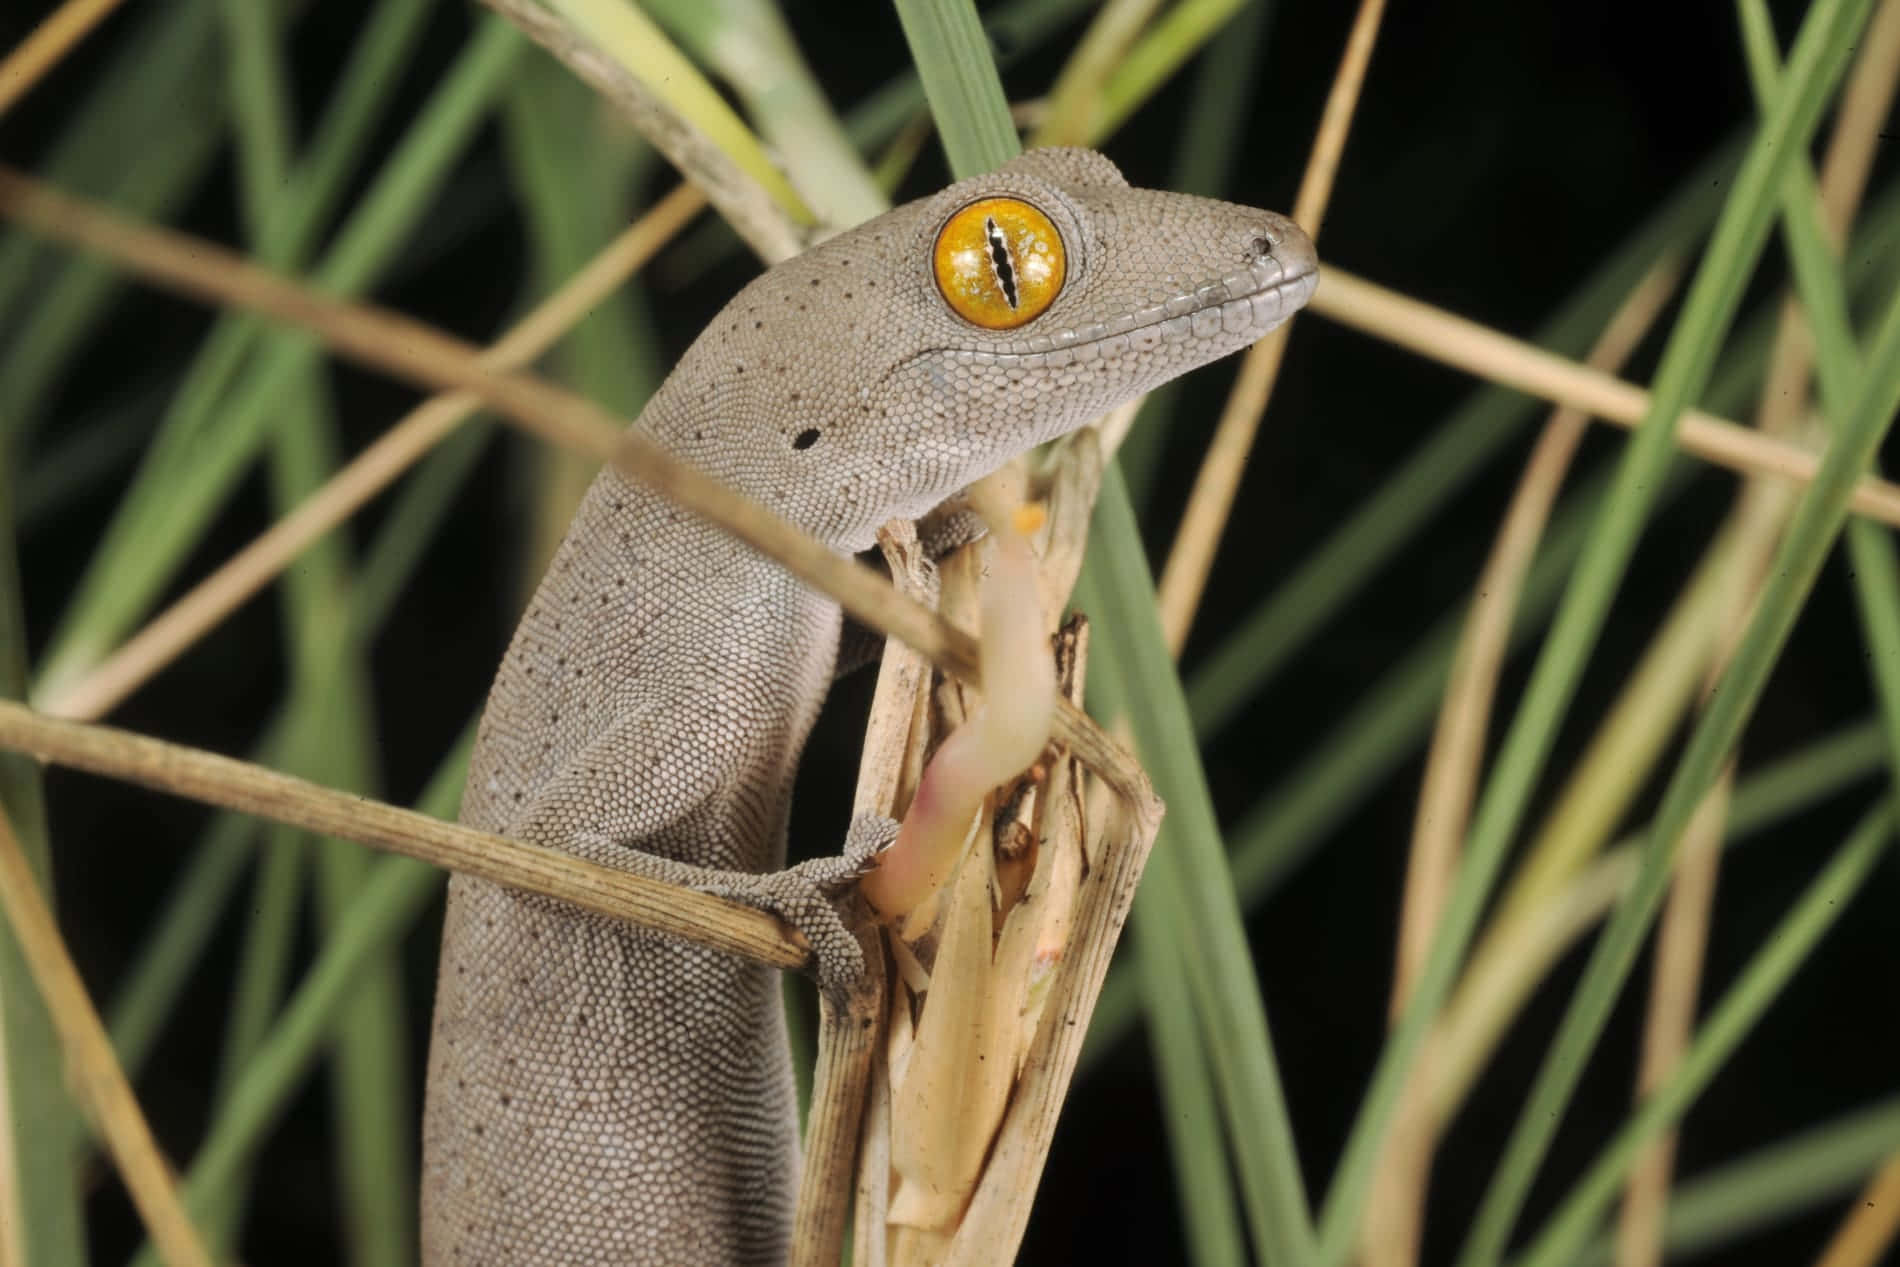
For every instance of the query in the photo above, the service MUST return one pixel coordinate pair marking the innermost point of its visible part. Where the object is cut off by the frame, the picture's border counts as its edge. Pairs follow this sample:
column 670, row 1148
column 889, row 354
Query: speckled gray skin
column 601, row 1095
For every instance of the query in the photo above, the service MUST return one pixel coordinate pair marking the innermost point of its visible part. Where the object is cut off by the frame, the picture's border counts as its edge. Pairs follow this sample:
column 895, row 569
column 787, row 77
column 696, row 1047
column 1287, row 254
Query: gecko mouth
column 1251, row 301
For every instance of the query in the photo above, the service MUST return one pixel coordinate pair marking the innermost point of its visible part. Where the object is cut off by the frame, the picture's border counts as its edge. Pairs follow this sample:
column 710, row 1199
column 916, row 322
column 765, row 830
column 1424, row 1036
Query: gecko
column 599, row 1094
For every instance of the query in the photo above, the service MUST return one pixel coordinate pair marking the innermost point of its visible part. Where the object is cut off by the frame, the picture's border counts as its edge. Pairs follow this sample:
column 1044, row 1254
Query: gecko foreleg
column 805, row 895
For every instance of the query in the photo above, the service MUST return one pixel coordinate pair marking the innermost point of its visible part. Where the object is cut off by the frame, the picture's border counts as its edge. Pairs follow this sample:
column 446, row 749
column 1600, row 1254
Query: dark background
column 1501, row 150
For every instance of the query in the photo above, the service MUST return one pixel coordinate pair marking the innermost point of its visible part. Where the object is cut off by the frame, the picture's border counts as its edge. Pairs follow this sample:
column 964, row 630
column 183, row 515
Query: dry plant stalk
column 994, row 977
column 1073, row 102
column 1498, row 358
column 999, row 1206
column 252, row 789
column 1395, row 1216
column 51, row 40
column 421, row 354
column 746, row 206
column 1669, row 1022
column 93, row 1072
column 1217, row 482
column 1872, row 1222
column 1683, row 930
column 170, row 633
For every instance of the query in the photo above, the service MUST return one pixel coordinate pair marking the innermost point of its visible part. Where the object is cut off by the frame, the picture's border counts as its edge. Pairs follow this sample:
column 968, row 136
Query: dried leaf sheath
column 990, row 990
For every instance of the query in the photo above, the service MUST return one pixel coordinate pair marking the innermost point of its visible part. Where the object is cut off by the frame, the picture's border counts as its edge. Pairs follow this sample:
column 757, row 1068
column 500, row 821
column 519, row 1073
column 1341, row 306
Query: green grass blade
column 158, row 102
column 260, row 108
column 42, row 1212
column 167, row 52
column 574, row 196
column 1204, row 155
column 331, row 699
column 1820, row 57
column 1013, row 29
column 373, row 1110
column 960, row 82
column 263, row 966
column 1820, row 770
column 1203, row 1183
column 336, row 746
column 88, row 450
column 750, row 45
column 1189, row 865
column 361, row 98
column 1227, row 680
column 1175, row 37
column 270, row 935
column 157, row 179
column 1761, row 981
column 396, row 893
column 625, row 35
column 1190, row 885
column 1224, row 90
column 183, row 480
column 1876, row 572
column 1817, row 521
column 334, row 743
column 1823, row 297
column 1799, row 781
column 1722, row 1205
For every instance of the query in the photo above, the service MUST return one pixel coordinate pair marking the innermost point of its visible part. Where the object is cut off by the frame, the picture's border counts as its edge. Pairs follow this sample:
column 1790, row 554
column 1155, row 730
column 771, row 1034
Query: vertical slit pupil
column 999, row 257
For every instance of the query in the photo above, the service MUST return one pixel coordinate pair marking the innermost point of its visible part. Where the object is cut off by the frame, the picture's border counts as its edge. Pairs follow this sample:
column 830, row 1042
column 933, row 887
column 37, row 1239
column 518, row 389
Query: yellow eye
column 999, row 263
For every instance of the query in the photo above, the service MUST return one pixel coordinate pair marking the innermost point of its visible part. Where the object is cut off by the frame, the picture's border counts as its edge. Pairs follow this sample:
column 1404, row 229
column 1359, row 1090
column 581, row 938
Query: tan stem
column 1677, row 973
column 1395, row 1216
column 1191, row 558
column 252, row 789
column 169, row 634
column 672, row 106
column 409, row 349
column 848, row 1039
column 98, row 1083
column 1670, row 1018
column 1872, row 1222
column 1466, row 345
column 51, row 40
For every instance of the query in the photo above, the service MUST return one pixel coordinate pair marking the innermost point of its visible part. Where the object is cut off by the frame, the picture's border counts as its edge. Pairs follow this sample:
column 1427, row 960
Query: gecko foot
column 805, row 896
column 949, row 526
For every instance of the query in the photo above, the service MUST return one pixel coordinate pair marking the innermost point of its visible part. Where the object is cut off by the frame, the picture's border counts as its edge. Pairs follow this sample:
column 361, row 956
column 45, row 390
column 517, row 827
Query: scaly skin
column 598, row 1094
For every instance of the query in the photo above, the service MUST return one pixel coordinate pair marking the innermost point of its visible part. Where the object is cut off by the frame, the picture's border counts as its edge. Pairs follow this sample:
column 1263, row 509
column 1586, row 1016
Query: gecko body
column 598, row 1094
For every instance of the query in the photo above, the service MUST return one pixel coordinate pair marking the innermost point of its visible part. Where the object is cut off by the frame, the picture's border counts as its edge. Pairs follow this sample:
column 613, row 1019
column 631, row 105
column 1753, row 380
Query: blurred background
column 1501, row 152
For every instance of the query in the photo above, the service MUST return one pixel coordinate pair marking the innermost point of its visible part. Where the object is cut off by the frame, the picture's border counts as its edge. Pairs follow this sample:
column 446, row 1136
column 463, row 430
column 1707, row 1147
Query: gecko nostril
column 1262, row 246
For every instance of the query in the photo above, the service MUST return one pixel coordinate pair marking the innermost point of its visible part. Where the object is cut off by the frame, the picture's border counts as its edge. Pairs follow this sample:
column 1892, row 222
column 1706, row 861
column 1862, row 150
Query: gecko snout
column 1274, row 237
column 1281, row 259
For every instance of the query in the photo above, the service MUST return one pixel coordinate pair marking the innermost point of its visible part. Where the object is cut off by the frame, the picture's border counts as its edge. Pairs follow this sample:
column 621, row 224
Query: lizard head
column 892, row 365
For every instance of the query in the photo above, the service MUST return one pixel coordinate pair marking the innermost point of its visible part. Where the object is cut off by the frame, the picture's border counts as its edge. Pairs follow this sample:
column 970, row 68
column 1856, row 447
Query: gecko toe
column 806, row 897
column 869, row 836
